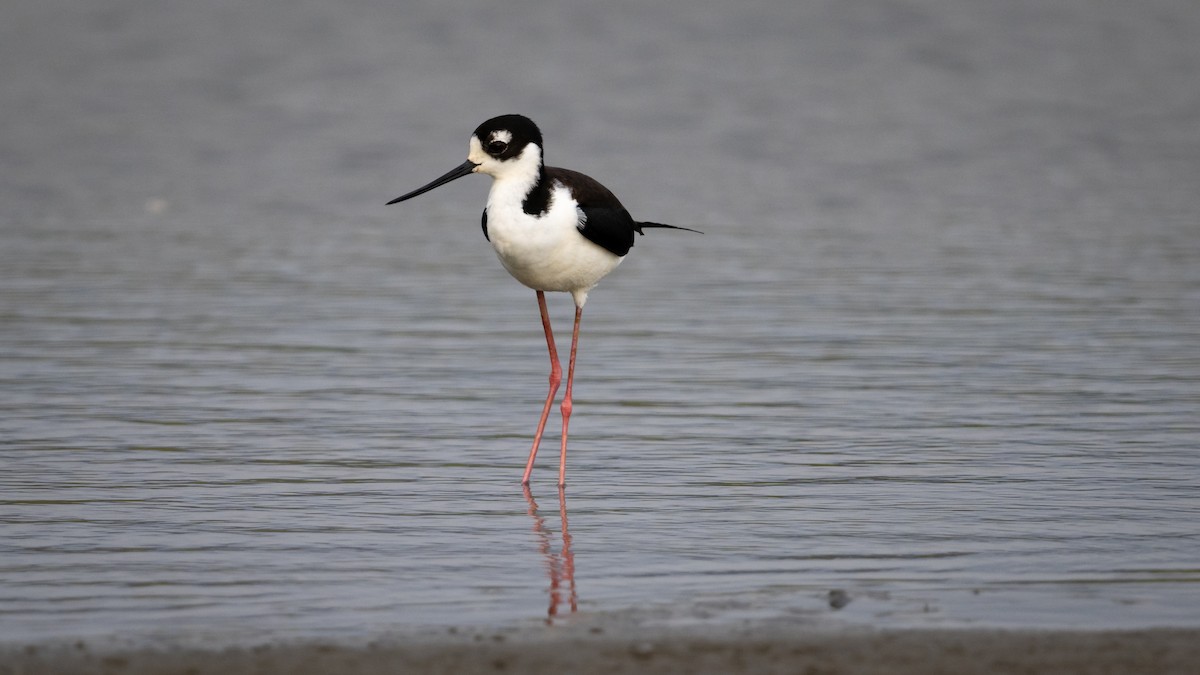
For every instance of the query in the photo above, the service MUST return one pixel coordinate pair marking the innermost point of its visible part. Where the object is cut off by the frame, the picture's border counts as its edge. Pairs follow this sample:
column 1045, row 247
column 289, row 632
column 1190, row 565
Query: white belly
column 548, row 253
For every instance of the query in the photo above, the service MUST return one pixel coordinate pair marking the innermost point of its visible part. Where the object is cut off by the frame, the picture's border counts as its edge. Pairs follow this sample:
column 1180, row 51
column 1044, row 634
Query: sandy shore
column 895, row 652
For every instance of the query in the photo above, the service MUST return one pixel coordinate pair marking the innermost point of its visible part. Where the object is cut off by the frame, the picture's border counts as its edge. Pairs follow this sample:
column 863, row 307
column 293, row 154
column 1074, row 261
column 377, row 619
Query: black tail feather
column 668, row 227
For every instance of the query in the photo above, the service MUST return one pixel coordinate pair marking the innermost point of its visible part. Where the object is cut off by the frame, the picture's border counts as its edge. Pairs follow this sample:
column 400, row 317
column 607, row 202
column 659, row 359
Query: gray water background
column 939, row 347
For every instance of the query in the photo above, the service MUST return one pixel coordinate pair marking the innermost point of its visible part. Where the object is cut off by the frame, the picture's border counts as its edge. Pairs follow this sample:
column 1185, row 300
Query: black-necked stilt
column 553, row 229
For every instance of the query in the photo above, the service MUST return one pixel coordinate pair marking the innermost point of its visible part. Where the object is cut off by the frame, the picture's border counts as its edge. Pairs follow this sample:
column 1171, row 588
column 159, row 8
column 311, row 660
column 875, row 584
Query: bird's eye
column 497, row 147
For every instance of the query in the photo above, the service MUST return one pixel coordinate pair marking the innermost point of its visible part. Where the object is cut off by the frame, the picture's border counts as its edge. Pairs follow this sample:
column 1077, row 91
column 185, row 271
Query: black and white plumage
column 553, row 230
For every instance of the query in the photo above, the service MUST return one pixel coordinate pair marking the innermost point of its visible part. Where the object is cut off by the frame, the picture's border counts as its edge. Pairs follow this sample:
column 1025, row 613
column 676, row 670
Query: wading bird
column 553, row 230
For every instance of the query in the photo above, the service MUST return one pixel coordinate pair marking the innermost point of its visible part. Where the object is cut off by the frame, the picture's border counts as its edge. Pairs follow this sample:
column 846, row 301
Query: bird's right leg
column 555, row 380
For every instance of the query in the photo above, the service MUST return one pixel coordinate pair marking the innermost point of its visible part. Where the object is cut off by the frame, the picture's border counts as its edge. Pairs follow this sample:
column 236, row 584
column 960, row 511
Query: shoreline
column 770, row 650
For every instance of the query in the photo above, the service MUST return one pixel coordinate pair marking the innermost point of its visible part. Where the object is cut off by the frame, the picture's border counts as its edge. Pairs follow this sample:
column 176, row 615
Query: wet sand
column 896, row 652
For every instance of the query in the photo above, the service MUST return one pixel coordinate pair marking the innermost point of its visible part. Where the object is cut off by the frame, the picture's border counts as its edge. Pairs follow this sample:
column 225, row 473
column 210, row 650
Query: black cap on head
column 521, row 131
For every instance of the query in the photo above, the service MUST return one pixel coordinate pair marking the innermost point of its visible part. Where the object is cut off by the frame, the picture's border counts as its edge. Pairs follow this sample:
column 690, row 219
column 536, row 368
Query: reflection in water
column 559, row 565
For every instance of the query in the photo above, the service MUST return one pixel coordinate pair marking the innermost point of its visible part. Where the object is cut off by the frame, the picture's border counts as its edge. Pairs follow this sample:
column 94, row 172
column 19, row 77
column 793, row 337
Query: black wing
column 603, row 221
column 609, row 228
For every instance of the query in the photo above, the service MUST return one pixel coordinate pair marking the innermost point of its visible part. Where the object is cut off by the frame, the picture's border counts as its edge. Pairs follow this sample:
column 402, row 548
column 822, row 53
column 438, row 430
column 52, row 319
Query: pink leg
column 566, row 402
column 555, row 379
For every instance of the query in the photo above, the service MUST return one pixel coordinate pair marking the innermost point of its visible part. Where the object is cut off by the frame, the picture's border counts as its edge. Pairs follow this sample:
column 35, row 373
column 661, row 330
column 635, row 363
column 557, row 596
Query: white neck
column 513, row 180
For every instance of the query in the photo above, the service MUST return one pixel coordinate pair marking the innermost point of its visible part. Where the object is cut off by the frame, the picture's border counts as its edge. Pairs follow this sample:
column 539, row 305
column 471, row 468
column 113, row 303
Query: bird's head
column 504, row 147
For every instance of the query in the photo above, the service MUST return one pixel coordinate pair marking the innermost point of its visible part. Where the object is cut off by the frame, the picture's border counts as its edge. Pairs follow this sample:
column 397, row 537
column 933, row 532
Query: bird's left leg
column 566, row 402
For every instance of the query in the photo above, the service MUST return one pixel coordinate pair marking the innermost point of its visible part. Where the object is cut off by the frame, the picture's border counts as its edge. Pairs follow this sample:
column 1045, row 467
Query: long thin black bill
column 457, row 172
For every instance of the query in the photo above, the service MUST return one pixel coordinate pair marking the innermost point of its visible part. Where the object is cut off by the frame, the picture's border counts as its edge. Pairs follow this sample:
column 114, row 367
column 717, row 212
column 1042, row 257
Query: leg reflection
column 568, row 558
column 560, row 565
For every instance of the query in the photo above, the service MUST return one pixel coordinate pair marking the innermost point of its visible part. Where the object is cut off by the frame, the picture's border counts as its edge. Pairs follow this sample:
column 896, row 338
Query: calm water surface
column 937, row 349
